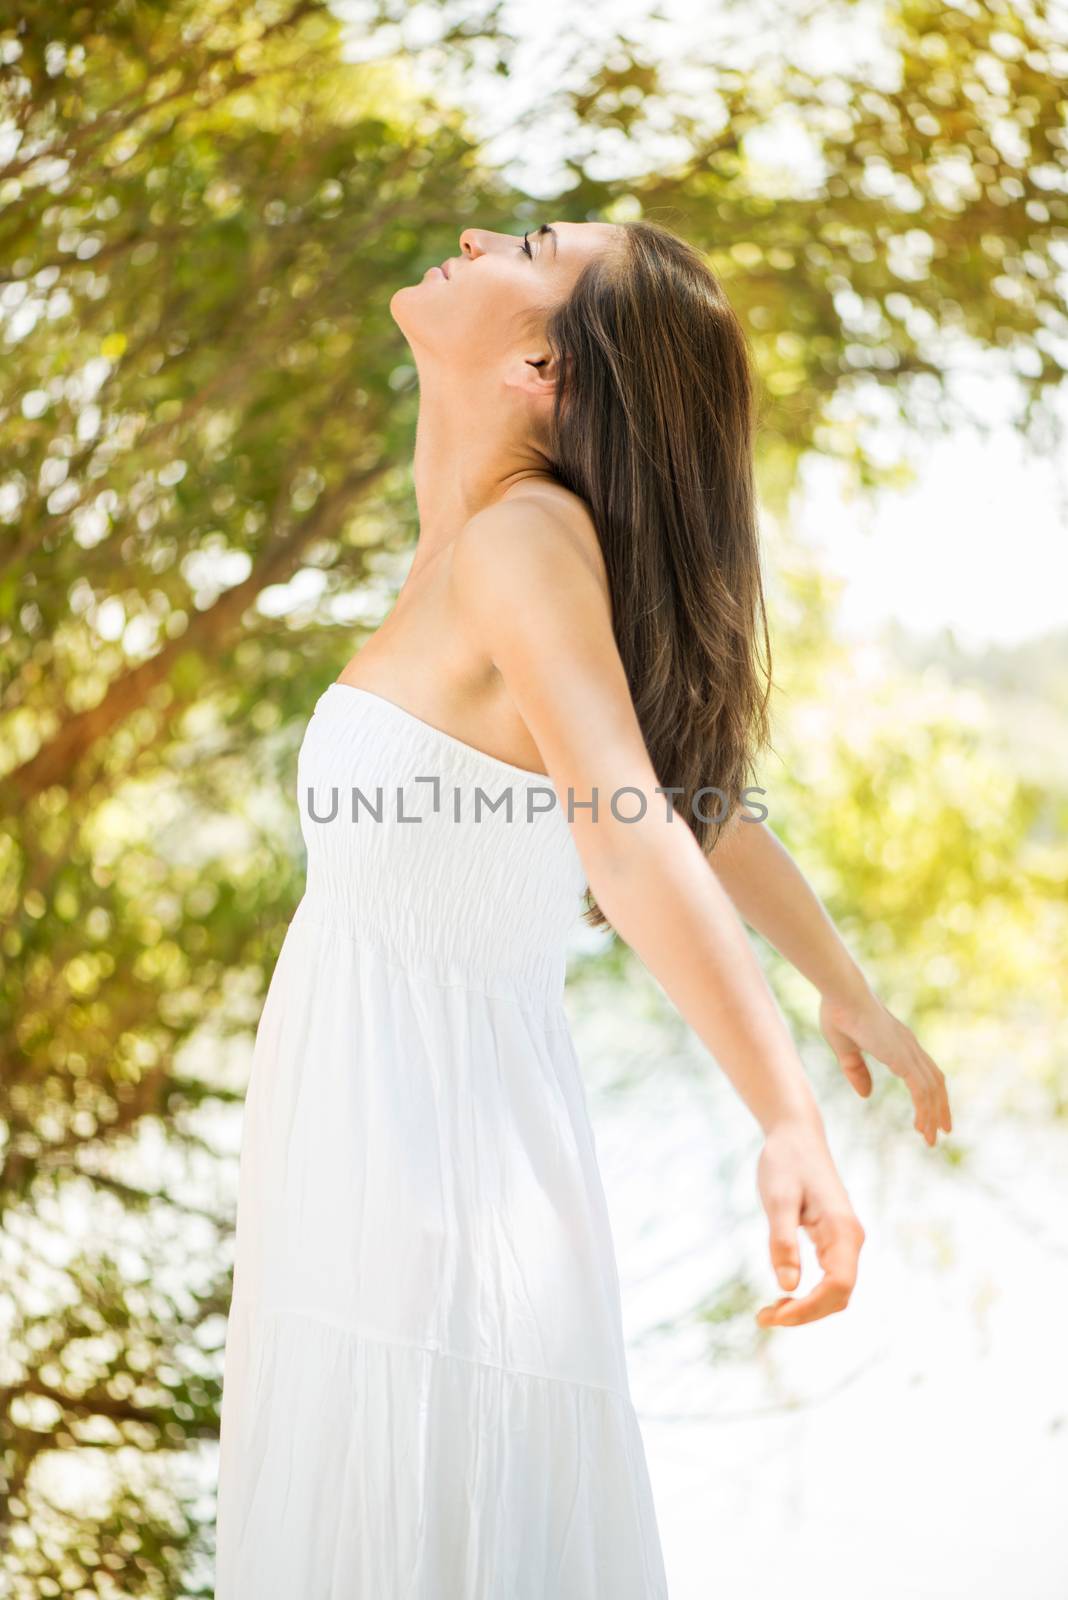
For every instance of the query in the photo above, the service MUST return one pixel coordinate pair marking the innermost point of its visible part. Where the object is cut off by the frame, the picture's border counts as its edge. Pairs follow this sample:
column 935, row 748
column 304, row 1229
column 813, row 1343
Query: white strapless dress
column 425, row 1393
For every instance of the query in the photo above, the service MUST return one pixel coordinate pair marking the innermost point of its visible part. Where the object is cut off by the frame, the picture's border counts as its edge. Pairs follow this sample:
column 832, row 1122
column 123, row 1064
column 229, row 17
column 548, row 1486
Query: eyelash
column 525, row 248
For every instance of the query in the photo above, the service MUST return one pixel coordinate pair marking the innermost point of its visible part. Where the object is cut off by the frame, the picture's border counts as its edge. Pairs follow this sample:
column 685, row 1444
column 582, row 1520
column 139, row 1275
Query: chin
column 417, row 317
column 398, row 304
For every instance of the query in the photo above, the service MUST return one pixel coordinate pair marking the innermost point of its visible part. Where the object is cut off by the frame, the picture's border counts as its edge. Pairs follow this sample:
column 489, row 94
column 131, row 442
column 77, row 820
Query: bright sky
column 978, row 543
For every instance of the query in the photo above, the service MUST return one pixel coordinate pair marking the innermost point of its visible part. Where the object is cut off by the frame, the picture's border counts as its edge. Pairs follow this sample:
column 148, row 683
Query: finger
column 921, row 1086
column 856, row 1070
column 838, row 1241
column 767, row 1316
column 851, row 1060
column 923, row 1121
column 933, row 1094
column 927, row 1084
column 838, row 1238
column 945, row 1116
column 826, row 1298
column 783, row 1207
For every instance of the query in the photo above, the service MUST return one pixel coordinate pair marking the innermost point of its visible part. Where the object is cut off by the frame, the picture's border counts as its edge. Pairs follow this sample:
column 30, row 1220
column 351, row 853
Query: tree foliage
column 205, row 419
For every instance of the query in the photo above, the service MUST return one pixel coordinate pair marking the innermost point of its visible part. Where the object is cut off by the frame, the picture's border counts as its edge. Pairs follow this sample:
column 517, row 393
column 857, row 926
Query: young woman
column 426, row 1391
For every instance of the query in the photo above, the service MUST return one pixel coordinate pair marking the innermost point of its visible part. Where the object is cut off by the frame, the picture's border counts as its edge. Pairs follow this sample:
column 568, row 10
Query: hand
column 800, row 1187
column 863, row 1023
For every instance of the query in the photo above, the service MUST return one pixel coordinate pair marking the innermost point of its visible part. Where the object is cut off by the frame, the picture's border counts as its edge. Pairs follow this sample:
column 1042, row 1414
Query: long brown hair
column 653, row 426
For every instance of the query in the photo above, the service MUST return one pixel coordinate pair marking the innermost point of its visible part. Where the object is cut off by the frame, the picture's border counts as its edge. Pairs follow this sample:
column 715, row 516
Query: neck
column 464, row 461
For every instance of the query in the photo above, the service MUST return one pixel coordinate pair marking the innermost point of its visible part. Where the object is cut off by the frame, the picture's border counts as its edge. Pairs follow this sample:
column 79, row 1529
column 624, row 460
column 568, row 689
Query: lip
column 444, row 269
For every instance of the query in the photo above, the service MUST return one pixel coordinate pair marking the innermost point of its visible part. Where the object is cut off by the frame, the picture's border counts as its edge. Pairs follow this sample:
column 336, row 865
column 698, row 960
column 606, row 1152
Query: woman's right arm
column 528, row 597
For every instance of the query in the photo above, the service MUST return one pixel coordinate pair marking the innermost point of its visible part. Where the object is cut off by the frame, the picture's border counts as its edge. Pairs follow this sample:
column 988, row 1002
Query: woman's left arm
column 773, row 896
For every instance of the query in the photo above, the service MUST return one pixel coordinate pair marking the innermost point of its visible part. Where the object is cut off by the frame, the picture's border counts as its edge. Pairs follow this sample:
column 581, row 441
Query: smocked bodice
column 444, row 859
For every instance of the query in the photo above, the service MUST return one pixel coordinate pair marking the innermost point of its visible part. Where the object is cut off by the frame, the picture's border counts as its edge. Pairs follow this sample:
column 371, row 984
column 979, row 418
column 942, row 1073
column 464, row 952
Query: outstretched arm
column 531, row 602
column 772, row 894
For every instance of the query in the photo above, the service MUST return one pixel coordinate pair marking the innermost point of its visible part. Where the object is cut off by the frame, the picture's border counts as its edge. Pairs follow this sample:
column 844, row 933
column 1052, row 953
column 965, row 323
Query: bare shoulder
column 532, row 600
column 539, row 535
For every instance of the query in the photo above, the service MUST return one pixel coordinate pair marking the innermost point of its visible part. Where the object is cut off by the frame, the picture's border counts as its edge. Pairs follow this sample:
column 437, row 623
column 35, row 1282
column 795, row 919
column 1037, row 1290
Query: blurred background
column 206, row 422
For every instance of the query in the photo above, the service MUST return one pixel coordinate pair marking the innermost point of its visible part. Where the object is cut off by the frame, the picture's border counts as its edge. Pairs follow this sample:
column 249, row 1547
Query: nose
column 471, row 243
column 480, row 241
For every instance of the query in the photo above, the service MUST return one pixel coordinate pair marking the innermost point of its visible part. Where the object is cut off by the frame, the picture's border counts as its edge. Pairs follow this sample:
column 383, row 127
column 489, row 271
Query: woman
column 425, row 1392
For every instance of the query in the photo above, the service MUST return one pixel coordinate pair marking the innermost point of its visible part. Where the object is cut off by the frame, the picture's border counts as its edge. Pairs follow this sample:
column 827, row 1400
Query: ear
column 533, row 373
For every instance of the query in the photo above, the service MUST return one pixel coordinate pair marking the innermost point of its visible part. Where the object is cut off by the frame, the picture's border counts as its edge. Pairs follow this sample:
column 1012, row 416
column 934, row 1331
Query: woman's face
column 480, row 308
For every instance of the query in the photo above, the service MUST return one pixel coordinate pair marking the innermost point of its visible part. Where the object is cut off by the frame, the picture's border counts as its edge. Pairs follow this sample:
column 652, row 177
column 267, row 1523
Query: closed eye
column 544, row 229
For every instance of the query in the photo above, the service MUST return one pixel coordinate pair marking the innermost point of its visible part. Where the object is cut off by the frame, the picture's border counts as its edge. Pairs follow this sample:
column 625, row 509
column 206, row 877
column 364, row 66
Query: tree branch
column 280, row 556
